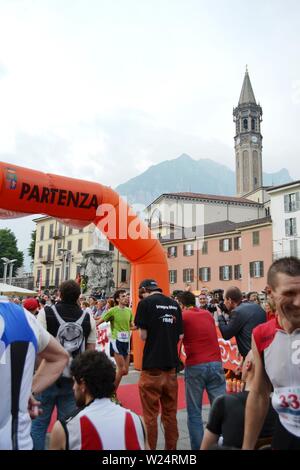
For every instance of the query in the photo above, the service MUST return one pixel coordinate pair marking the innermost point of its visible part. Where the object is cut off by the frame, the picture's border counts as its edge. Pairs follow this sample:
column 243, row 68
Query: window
column 173, row 276
column 188, row 275
column 225, row 244
column 123, row 275
column 245, row 124
column 172, row 251
column 237, row 271
column 255, row 238
column 69, row 245
column 40, row 251
column 204, row 274
column 80, row 230
column 111, row 247
column 42, row 233
column 49, row 253
column 237, row 243
column 253, row 124
column 38, row 278
column 51, row 230
column 57, row 275
column 67, row 272
column 292, row 202
column 79, row 247
column 290, row 227
column 60, row 230
column 294, row 248
column 225, row 273
column 70, row 230
column 205, row 248
column 47, row 281
column 256, row 269
column 58, row 249
column 188, row 250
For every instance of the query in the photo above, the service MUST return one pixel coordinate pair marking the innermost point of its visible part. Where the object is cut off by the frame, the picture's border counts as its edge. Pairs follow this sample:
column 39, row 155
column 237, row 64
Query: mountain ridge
column 184, row 174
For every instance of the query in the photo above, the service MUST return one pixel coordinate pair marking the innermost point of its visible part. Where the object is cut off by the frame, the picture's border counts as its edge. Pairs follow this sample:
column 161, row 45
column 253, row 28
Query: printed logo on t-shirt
column 167, row 318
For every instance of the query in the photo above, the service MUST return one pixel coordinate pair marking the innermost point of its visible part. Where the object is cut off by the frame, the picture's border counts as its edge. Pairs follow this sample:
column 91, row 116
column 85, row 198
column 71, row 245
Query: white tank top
column 103, row 425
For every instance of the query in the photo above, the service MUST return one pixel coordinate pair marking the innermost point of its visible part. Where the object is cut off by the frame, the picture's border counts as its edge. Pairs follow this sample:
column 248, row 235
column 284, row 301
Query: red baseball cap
column 30, row 304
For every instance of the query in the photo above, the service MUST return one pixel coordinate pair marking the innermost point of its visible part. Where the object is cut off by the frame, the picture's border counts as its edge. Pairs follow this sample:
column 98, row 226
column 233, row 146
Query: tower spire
column 247, row 95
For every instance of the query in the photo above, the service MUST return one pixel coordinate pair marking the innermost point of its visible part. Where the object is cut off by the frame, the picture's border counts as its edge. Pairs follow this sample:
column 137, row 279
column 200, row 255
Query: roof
column 282, row 186
column 208, row 197
column 214, row 228
column 247, row 95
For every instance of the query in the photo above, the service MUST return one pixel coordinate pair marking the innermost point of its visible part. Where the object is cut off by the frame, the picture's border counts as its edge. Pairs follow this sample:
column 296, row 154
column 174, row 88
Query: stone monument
column 97, row 266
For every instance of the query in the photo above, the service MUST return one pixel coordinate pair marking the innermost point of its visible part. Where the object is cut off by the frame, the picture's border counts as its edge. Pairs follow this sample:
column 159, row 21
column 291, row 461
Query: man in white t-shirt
column 22, row 339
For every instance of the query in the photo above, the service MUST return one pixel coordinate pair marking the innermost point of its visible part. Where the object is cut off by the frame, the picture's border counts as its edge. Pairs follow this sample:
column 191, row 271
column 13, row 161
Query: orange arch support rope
column 78, row 203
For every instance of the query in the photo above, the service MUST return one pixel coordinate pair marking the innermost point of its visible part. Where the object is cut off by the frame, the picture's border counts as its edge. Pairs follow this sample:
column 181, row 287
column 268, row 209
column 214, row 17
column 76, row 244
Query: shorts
column 119, row 347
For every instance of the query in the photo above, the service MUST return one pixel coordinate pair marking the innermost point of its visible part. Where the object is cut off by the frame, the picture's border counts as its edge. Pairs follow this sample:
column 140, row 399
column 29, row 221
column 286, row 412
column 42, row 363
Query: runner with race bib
column 121, row 320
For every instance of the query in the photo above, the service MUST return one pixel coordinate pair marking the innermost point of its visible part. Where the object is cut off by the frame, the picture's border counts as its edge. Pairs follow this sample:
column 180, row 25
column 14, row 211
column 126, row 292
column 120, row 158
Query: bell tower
column 248, row 140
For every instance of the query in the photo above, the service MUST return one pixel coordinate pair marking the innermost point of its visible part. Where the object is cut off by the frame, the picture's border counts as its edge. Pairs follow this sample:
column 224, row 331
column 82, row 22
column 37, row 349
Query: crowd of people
column 51, row 361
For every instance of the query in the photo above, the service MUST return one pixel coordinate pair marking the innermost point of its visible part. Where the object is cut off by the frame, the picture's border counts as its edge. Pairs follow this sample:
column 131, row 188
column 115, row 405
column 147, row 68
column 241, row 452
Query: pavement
column 183, row 441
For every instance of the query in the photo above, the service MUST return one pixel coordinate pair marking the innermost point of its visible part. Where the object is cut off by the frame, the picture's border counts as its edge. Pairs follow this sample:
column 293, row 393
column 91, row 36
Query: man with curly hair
column 100, row 424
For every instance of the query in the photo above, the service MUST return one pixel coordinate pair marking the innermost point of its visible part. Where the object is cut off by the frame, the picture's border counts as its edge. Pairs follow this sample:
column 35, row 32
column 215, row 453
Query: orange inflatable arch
column 78, row 203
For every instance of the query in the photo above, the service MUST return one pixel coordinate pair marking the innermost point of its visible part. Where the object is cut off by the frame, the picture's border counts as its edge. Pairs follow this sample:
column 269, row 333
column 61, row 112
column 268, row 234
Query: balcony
column 57, row 236
column 45, row 260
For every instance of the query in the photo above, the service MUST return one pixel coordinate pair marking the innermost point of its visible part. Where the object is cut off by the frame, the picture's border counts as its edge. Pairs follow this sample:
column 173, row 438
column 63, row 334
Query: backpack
column 70, row 335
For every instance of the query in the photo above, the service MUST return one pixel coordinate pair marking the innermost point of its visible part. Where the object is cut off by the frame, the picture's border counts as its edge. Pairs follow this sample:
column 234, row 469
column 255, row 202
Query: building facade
column 172, row 210
column 285, row 210
column 227, row 254
column 59, row 253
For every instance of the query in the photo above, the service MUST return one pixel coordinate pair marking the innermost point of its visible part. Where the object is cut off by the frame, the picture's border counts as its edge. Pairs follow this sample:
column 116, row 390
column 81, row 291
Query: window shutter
column 236, row 271
column 221, row 245
column 297, row 200
column 208, row 274
column 192, row 275
column 221, row 273
column 294, row 226
column 230, row 273
column 261, row 269
column 286, row 203
column 184, row 275
column 251, row 267
column 287, row 227
column 230, row 244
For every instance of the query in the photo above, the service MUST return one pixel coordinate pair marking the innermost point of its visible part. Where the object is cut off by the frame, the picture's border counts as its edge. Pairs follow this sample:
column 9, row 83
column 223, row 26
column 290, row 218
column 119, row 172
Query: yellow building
column 59, row 253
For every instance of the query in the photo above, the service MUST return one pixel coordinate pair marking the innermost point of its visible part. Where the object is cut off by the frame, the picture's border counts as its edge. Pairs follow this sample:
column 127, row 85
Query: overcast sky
column 86, row 86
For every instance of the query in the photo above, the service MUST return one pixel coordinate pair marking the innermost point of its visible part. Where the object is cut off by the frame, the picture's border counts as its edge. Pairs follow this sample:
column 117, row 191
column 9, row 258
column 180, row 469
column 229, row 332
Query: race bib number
column 286, row 401
column 123, row 336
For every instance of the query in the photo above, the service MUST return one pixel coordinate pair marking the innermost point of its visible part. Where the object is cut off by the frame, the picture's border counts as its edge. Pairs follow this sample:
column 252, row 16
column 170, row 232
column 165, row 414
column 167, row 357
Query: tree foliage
column 9, row 249
column 31, row 249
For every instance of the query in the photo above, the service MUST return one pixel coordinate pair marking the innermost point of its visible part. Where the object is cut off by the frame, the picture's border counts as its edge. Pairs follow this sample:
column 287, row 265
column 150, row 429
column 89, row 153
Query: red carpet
column 130, row 398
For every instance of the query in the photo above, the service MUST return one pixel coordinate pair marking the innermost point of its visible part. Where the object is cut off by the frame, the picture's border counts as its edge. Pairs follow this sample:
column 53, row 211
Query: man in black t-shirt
column 227, row 415
column 160, row 322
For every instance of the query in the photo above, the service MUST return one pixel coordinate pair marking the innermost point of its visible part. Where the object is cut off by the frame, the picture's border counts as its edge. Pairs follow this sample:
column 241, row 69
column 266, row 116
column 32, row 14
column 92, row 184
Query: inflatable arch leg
column 78, row 203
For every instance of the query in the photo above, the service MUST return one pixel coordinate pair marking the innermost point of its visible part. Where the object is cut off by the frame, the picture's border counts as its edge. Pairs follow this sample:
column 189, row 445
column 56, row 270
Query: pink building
column 228, row 254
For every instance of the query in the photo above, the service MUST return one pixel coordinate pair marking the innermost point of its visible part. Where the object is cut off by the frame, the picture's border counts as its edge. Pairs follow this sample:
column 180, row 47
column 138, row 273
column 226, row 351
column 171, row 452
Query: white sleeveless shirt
column 103, row 425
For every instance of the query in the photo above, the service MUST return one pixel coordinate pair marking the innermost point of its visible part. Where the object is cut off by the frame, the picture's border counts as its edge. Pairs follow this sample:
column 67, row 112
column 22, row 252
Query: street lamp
column 66, row 256
column 5, row 264
column 11, row 263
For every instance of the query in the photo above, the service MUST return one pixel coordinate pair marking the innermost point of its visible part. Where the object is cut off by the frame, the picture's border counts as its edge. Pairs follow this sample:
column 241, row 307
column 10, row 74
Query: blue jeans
column 209, row 376
column 60, row 394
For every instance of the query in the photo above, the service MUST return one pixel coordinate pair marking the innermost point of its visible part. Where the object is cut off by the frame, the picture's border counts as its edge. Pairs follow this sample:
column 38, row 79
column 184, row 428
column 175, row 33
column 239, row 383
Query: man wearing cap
column 31, row 304
column 160, row 322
